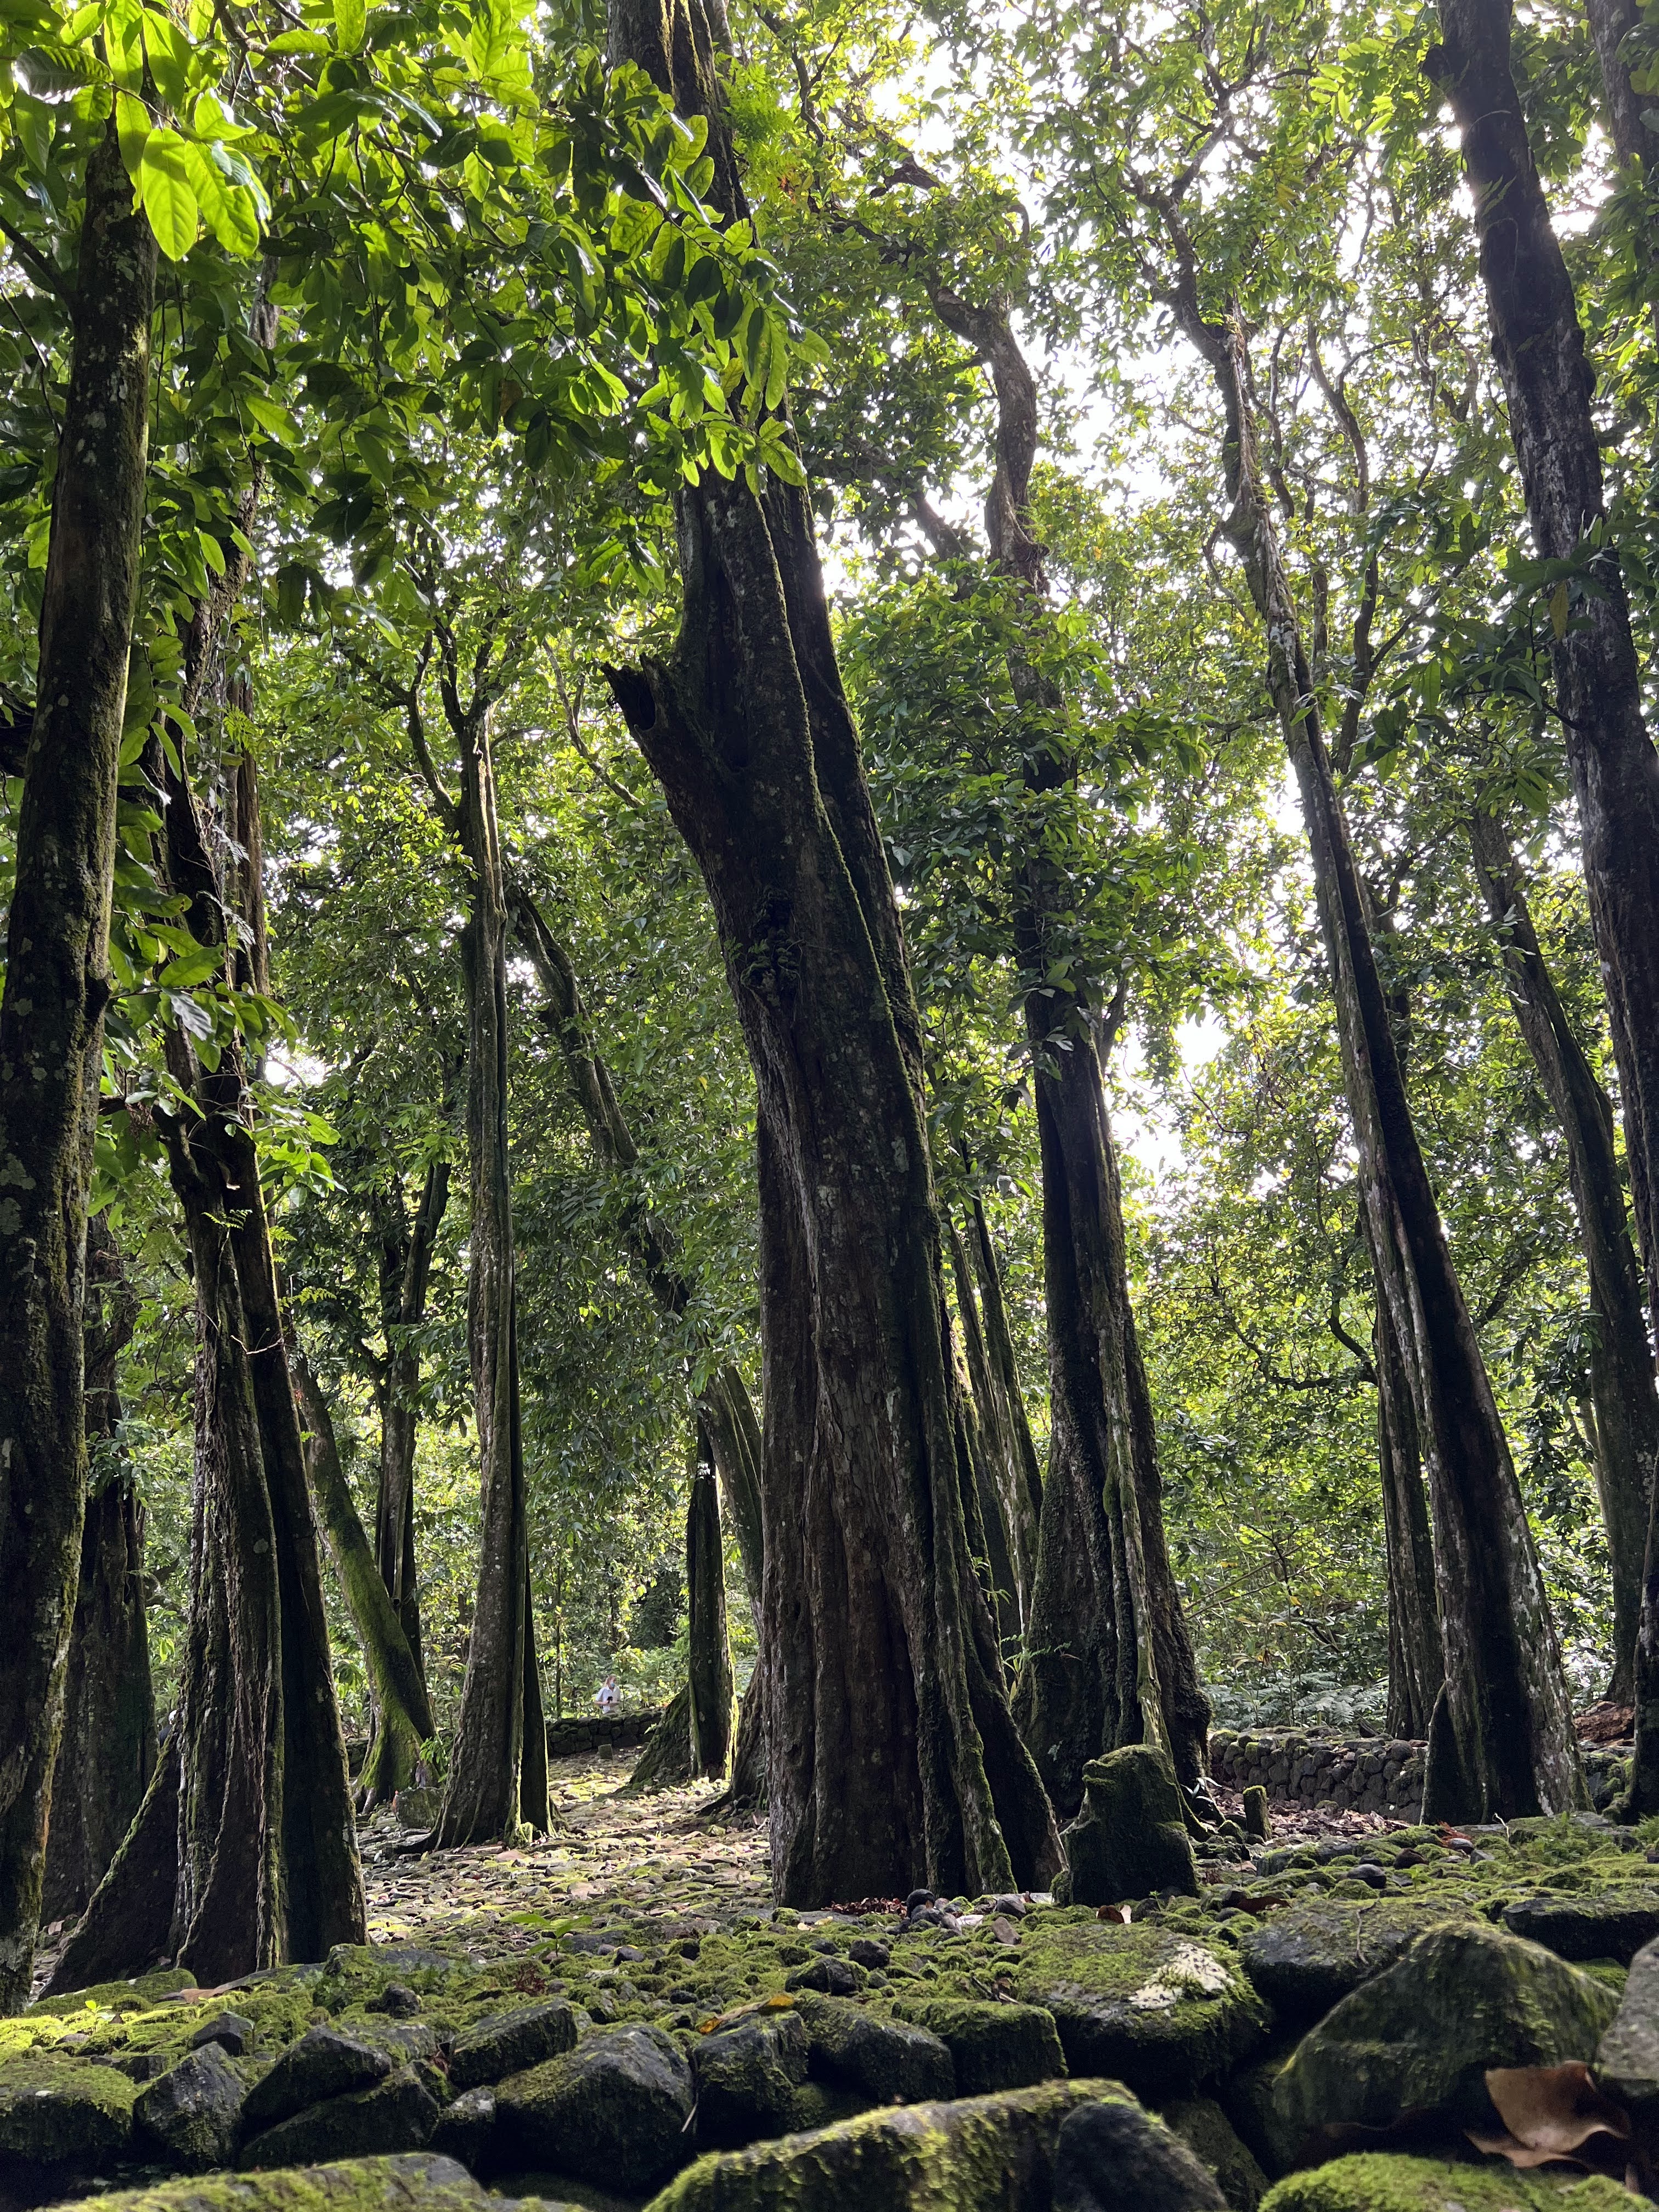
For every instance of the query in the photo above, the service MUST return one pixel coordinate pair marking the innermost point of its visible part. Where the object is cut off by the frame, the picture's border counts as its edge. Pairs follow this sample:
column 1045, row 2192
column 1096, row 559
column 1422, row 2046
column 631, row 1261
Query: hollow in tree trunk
column 892, row 1756
column 107, row 1751
column 1109, row 1661
column 403, row 1715
column 1625, row 1432
column 709, row 1678
column 52, row 1015
column 1501, row 1742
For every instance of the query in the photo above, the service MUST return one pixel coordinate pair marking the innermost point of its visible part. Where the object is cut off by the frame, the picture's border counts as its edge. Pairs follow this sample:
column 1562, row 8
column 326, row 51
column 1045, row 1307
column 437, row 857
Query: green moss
column 55, row 2108
column 136, row 1996
column 1375, row 2182
column 396, row 2183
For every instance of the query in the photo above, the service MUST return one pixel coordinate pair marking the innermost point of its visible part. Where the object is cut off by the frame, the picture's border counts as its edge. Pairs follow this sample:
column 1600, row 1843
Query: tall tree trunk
column 403, row 1713
column 1027, row 1484
column 51, row 1016
column 892, row 1755
column 498, row 1770
column 1416, row 1667
column 268, row 1860
column 708, row 1673
column 1540, row 350
column 998, row 1460
column 1110, row 1661
column 1501, row 1744
column 108, row 1752
column 1625, row 1431
column 1622, row 108
column 724, row 1405
column 406, row 1251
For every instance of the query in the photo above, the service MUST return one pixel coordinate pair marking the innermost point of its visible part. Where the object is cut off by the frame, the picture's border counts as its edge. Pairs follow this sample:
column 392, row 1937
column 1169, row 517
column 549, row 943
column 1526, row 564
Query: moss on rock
column 55, row 2110
column 1309, row 1958
column 1377, row 2182
column 414, row 2183
column 992, row 2047
column 1211, row 2137
column 1130, row 1839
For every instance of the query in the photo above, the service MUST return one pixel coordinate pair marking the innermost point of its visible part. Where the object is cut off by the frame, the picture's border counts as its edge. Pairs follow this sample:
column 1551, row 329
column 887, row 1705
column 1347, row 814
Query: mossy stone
column 1215, row 2142
column 511, row 2043
column 1614, row 1925
column 1110, row 2154
column 992, row 2047
column 397, row 2114
column 1377, row 2182
column 1147, row 2006
column 1307, row 1958
column 747, row 2079
column 416, row 2182
column 1246, row 2099
column 890, row 2061
column 1627, row 2057
column 58, row 2109
column 324, row 2063
column 1130, row 1839
column 136, row 1996
column 194, row 2111
column 1419, row 2036
column 613, row 2111
column 991, row 2153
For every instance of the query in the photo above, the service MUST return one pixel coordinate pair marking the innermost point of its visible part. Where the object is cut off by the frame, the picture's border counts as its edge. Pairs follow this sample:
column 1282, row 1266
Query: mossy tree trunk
column 708, row 1672
column 1501, row 1742
column 403, row 1712
column 52, row 1015
column 1109, row 1662
column 107, row 1751
column 498, row 1768
column 996, row 1461
column 1026, row 1482
column 892, row 1757
column 1625, row 1432
column 1416, row 1666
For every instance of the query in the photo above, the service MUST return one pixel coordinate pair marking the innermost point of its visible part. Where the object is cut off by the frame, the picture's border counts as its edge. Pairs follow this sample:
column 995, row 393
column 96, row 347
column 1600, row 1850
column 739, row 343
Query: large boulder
column 1110, row 2154
column 887, row 2061
column 1307, row 1958
column 992, row 2047
column 512, row 2043
column 1609, row 1924
column 194, row 2112
column 397, row 2114
column 613, row 2111
column 1246, row 2098
column 1143, row 2005
column 324, row 2063
column 416, row 2183
column 1130, row 1839
column 749, row 2078
column 991, row 2153
column 1213, row 2140
column 56, row 2110
column 1627, row 2057
column 1379, row 2181
column 1420, row 2037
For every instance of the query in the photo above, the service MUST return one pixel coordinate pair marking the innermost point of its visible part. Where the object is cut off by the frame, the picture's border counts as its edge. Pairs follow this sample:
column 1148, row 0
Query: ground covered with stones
column 620, row 2017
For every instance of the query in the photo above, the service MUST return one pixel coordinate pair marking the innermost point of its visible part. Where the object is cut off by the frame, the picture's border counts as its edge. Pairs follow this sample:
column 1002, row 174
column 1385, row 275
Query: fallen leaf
column 1554, row 2113
column 1119, row 1913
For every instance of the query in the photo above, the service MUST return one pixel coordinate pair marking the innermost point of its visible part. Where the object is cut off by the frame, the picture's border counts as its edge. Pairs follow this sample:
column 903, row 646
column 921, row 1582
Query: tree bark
column 1109, row 1662
column 51, row 1016
column 406, row 1251
column 1501, row 1744
column 1625, row 1431
column 128, row 1926
column 1540, row 350
column 892, row 1759
column 997, row 1463
column 403, row 1713
column 1416, row 1667
column 498, row 1769
column 1026, row 1484
column 107, row 1751
column 724, row 1406
column 708, row 1673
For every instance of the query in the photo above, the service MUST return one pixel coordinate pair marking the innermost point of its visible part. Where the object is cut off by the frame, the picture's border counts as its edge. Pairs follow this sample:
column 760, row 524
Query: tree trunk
column 892, row 1758
column 1625, row 1431
column 403, row 1715
column 1416, row 1667
column 724, row 1405
column 1025, row 1494
column 996, row 1461
column 1622, row 108
column 406, row 1253
column 498, row 1770
column 51, row 1016
column 708, row 1673
column 128, row 1926
column 108, row 1752
column 1501, row 1744
column 1540, row 351
column 1110, row 1662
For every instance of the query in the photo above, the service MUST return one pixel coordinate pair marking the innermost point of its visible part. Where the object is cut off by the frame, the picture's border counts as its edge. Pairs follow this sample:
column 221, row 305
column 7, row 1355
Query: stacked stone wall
column 582, row 1731
column 1363, row 1774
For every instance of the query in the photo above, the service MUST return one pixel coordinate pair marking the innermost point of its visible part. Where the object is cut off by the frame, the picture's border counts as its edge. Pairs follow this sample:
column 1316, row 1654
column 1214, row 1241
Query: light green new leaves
column 164, row 187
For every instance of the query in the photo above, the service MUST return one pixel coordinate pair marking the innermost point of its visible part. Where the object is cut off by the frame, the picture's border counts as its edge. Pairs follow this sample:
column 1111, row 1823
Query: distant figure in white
column 607, row 1697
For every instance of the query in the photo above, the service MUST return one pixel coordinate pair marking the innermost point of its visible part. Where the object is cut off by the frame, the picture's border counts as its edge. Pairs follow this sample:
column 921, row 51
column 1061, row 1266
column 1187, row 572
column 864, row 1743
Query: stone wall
column 1366, row 1774
column 583, row 1732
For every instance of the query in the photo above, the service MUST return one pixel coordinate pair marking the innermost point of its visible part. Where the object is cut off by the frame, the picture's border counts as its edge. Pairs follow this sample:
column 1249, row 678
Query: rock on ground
column 992, row 2047
column 1308, row 1958
column 324, row 2063
column 55, row 2111
column 411, row 2184
column 749, row 2079
column 887, row 2061
column 1606, row 1927
column 1420, row 2037
column 1376, row 2182
column 613, row 2111
column 1212, row 2138
column 512, row 2043
column 1130, row 1839
column 194, row 2111
column 397, row 2114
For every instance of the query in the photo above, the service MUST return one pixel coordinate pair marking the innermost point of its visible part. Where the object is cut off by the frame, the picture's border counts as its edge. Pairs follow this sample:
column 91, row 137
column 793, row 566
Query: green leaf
column 351, row 22
column 227, row 208
column 165, row 189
